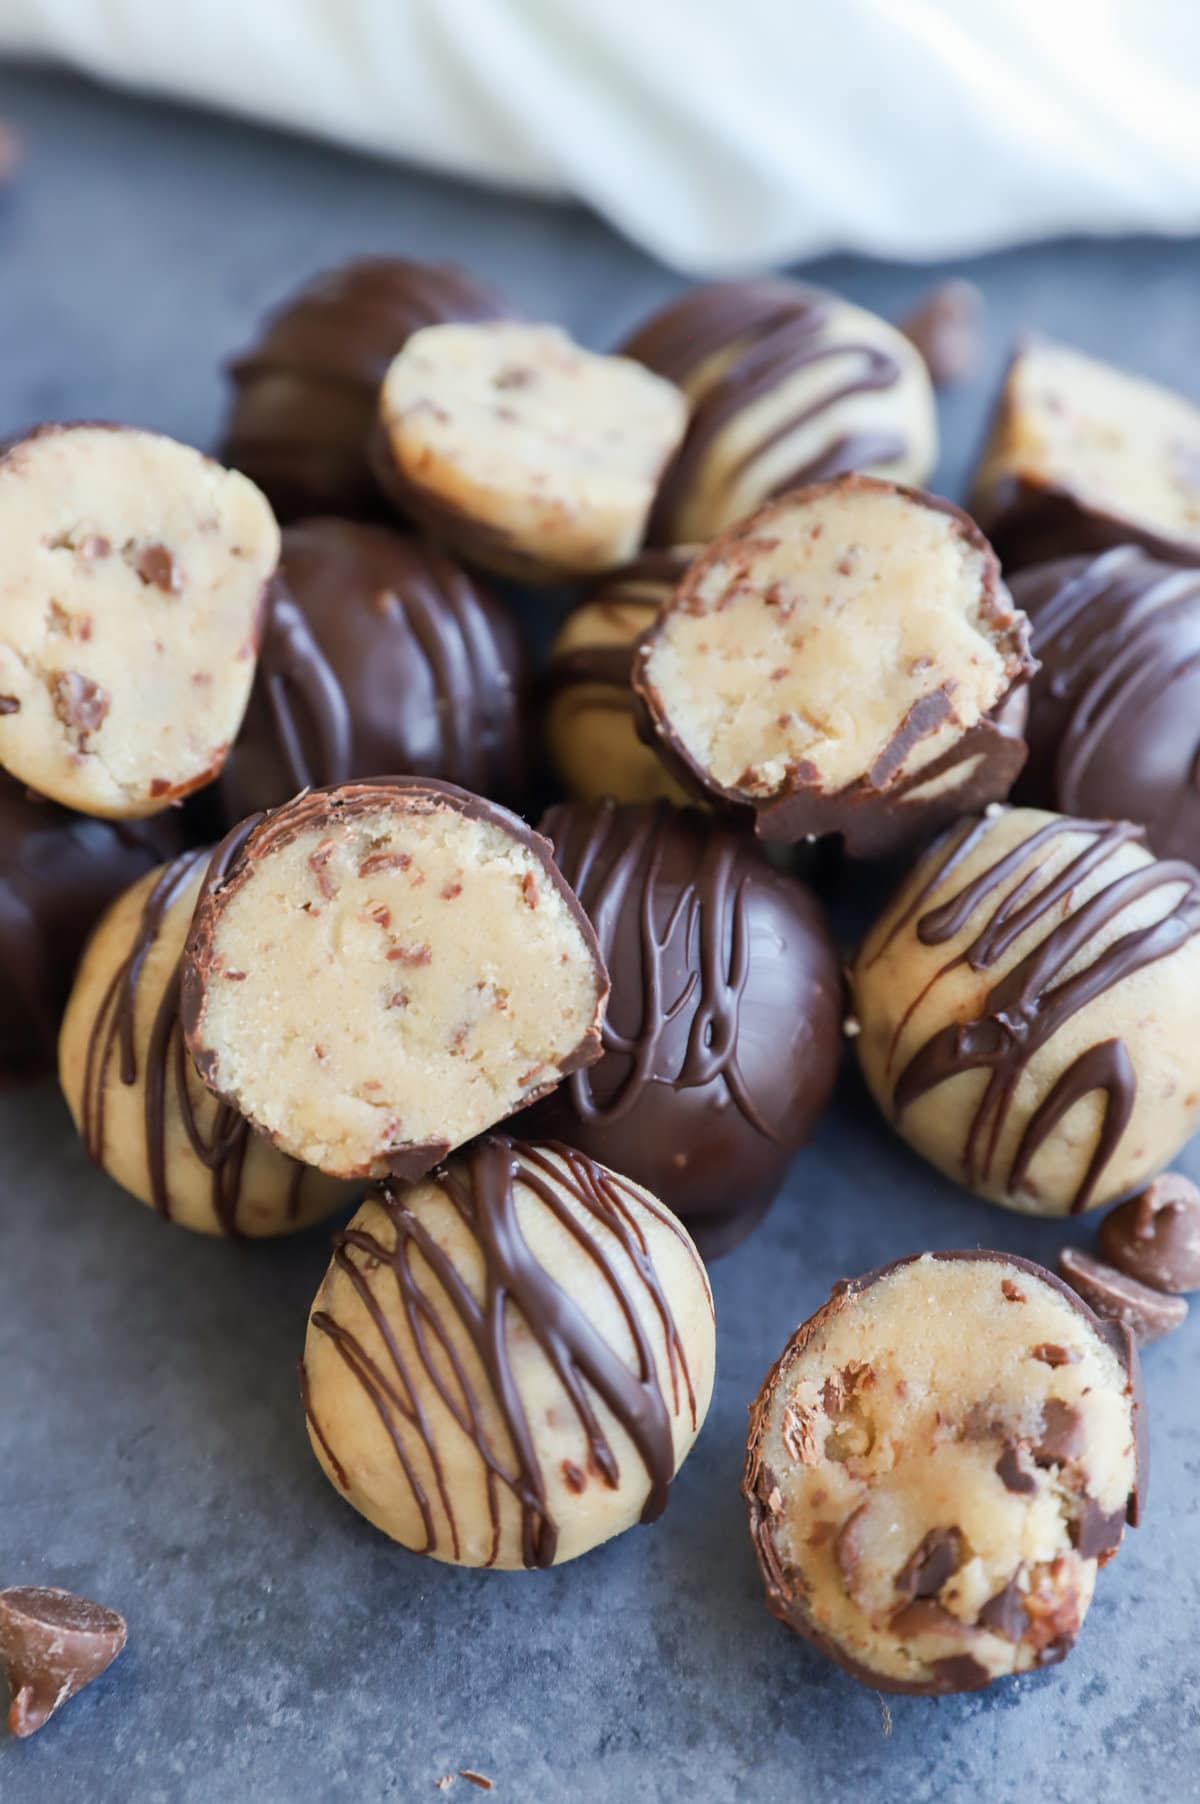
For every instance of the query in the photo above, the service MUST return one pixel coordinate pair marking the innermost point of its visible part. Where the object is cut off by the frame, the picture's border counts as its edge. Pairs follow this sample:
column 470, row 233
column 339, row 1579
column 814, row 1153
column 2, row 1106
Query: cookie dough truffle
column 380, row 971
column 787, row 385
column 52, row 1644
column 131, row 601
column 836, row 662
column 1114, row 718
column 937, row 1465
column 306, row 392
column 575, row 1316
column 1026, row 1008
column 525, row 453
column 380, row 655
column 135, row 1096
column 58, row 873
column 722, row 1038
column 590, row 717
column 1082, row 456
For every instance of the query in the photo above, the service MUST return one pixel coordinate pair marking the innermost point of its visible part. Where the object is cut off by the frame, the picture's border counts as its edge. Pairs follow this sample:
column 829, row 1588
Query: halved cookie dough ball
column 132, row 588
column 306, row 392
column 135, row 1096
column 723, row 1033
column 524, row 452
column 508, row 1362
column 1026, row 1004
column 590, row 715
column 938, row 1463
column 58, row 873
column 380, row 971
column 836, row 663
column 1082, row 456
column 380, row 654
column 787, row 385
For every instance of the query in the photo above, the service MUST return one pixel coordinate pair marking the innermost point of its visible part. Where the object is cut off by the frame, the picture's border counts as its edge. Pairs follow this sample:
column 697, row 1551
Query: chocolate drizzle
column 1034, row 1000
column 169, row 1074
column 482, row 1188
column 764, row 333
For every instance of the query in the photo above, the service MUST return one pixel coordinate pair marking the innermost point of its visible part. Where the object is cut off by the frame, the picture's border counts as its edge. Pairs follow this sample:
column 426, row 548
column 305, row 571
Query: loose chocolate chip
column 946, row 327
column 1014, row 1473
column 1062, row 1436
column 1155, row 1237
column 1004, row 1614
column 927, row 1568
column 1117, row 1297
column 52, row 1644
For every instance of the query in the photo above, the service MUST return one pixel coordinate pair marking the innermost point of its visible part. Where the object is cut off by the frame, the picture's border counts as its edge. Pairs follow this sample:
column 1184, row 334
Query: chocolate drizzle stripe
column 299, row 682
column 1025, row 1009
column 482, row 1189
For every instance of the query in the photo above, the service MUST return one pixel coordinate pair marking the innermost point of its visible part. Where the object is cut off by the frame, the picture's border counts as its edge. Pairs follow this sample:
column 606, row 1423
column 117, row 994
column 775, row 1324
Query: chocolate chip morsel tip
column 52, row 1644
column 1008, row 1421
column 378, row 971
column 841, row 663
column 1116, row 1296
column 1155, row 1236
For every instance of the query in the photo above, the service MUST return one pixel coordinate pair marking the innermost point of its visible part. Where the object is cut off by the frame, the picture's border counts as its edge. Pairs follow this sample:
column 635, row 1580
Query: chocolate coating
column 723, row 1033
column 305, row 392
column 1148, row 1314
column 1155, row 1236
column 1114, row 726
column 58, row 873
column 380, row 655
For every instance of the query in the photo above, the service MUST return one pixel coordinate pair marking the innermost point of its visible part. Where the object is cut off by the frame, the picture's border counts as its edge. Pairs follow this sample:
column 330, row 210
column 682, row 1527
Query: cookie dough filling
column 131, row 599
column 938, row 1463
column 1082, row 455
column 832, row 653
column 379, row 971
column 507, row 1363
column 525, row 452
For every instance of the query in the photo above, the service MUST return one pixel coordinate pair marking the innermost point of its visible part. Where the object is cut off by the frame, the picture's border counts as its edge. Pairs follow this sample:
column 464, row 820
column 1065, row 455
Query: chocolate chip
column 927, row 1568
column 925, row 1616
column 1062, row 1437
column 79, row 703
column 1096, row 1534
column 158, row 569
column 1117, row 1297
column 52, row 1644
column 1155, row 1237
column 946, row 327
column 1052, row 1355
column 1004, row 1614
column 1013, row 1472
column 1011, row 1291
column 9, row 704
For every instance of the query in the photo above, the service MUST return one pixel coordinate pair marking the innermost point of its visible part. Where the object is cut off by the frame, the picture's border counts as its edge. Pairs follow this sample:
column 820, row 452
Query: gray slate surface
column 152, row 1451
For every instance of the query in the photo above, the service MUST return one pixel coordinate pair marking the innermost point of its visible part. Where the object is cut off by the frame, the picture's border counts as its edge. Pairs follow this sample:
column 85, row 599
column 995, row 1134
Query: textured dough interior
column 398, row 979
column 130, row 596
column 521, row 430
column 809, row 643
column 888, row 1427
column 1120, row 443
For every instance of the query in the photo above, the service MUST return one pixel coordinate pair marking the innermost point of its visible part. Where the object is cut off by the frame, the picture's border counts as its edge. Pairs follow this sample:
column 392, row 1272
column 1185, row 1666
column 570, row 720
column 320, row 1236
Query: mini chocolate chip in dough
column 836, row 664
column 522, row 451
column 1119, row 1297
column 1082, row 456
column 1155, row 1236
column 965, row 1516
column 1025, row 1003
column 131, row 599
column 140, row 1107
column 412, row 968
column 577, row 1318
column 52, row 1644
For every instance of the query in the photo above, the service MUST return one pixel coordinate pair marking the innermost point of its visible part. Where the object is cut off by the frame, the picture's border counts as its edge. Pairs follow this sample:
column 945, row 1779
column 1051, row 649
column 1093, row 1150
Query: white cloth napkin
column 719, row 134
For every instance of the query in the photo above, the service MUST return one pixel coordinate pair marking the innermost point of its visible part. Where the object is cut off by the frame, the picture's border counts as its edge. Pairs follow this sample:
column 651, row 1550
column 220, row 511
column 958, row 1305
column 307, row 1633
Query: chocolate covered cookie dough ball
column 938, row 1463
column 787, row 385
column 131, row 599
column 508, row 1362
column 1026, row 1006
column 836, row 663
column 307, row 391
column 58, row 872
column 1082, row 456
column 379, row 971
column 590, row 717
column 380, row 654
column 135, row 1096
column 722, row 1037
column 1114, row 718
column 523, row 452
